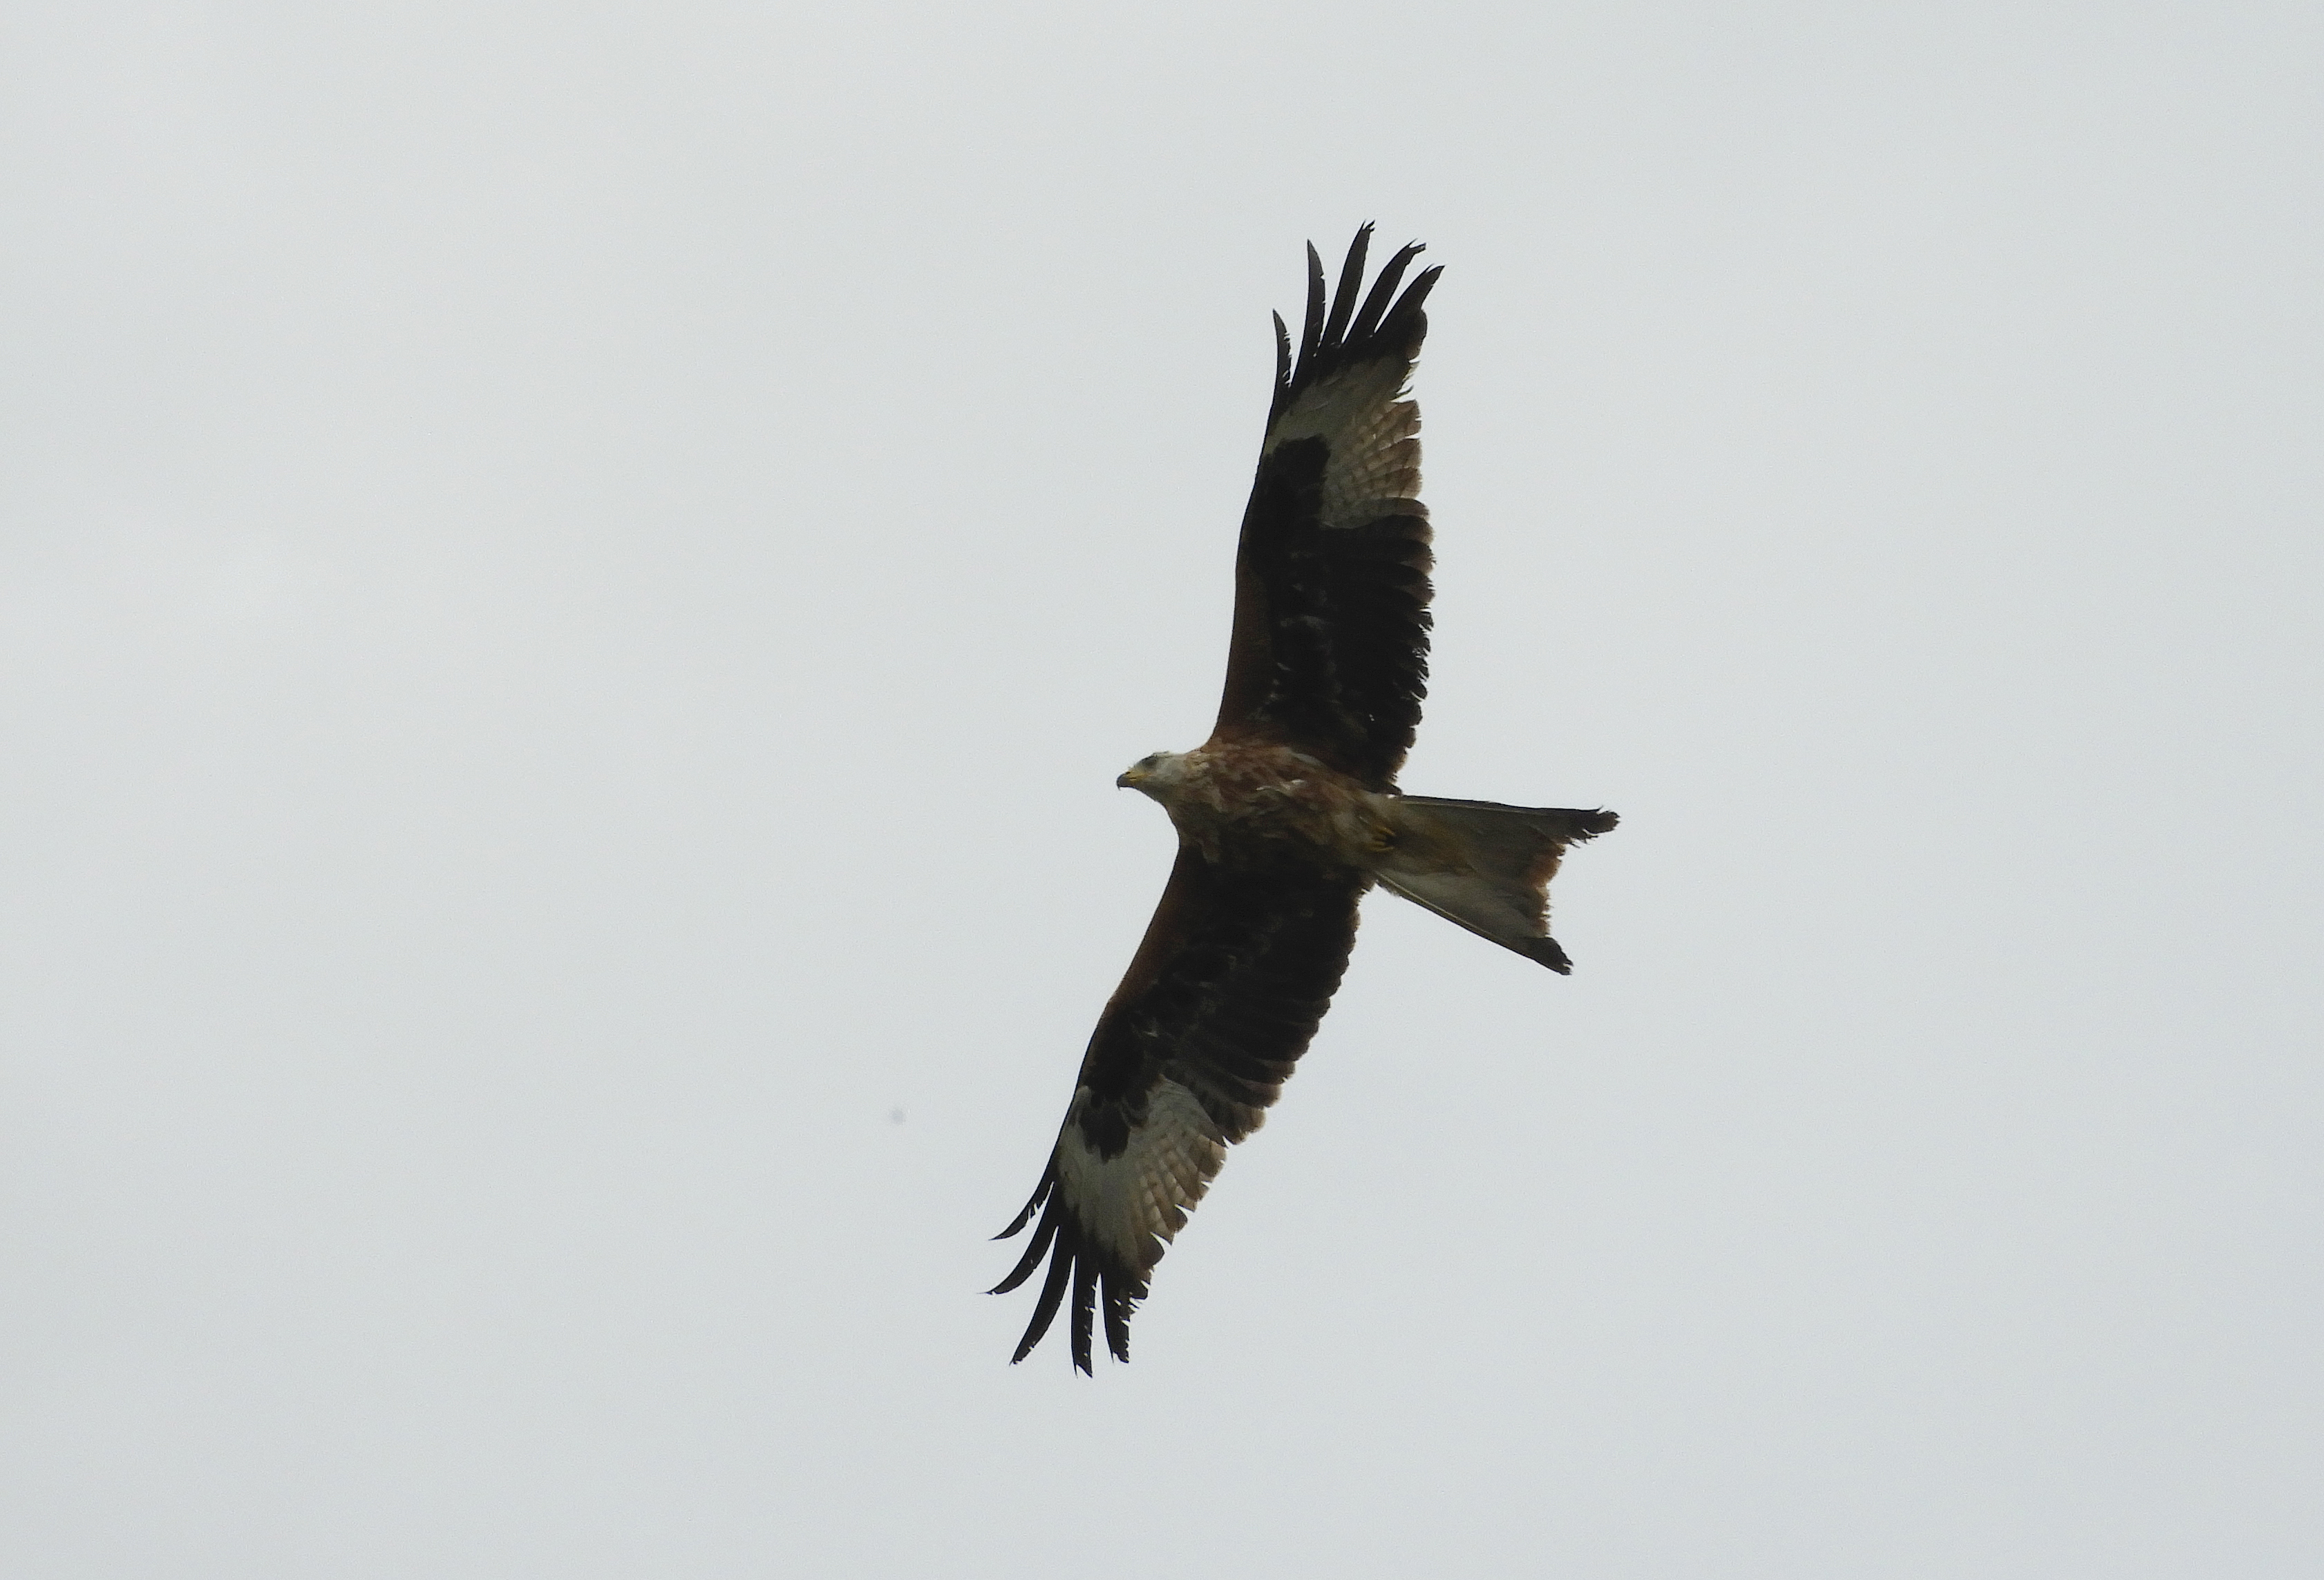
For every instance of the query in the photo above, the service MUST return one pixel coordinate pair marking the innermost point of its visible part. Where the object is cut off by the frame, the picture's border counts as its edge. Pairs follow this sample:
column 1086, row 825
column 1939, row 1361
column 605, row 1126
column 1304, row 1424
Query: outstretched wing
column 1329, row 653
column 1223, row 997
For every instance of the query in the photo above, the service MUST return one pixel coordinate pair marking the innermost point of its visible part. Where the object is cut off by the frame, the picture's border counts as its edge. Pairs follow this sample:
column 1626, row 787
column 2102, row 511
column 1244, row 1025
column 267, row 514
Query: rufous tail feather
column 1487, row 867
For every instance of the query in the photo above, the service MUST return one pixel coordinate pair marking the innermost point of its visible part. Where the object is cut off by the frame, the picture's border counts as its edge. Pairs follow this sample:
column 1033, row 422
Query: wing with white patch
column 1235, row 972
column 1330, row 652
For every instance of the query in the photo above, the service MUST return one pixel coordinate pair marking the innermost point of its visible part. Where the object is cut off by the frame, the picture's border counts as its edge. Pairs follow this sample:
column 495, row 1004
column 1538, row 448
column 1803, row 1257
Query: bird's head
column 1154, row 775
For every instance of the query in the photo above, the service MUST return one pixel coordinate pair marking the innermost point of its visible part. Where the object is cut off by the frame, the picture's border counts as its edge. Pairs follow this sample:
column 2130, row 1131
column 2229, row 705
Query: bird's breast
column 1239, row 801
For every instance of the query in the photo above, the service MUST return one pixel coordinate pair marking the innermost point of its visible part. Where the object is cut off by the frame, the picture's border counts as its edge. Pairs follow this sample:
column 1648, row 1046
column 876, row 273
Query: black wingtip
column 1100, row 1286
column 1040, row 1194
column 1053, row 1295
column 1548, row 952
column 1034, row 1251
column 1404, row 321
column 1118, row 1304
column 1336, row 332
column 1351, row 277
column 1085, row 1310
column 1311, row 330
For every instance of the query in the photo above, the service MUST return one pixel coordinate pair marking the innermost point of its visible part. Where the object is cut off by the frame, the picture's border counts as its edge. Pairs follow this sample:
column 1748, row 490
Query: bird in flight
column 1286, row 816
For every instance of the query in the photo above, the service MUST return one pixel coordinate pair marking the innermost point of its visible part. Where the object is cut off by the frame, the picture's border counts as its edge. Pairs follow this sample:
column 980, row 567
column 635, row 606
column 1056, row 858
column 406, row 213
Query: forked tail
column 1487, row 866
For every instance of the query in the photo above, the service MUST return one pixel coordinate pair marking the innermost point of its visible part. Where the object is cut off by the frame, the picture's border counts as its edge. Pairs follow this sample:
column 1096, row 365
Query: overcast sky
column 577, row 578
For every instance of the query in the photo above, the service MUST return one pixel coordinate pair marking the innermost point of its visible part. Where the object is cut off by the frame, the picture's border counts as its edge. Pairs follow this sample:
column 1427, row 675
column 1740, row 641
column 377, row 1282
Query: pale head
column 1156, row 774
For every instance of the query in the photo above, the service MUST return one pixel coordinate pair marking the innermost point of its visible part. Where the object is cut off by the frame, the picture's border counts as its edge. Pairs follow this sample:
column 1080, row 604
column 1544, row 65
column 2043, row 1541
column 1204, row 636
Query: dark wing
column 1235, row 972
column 1330, row 652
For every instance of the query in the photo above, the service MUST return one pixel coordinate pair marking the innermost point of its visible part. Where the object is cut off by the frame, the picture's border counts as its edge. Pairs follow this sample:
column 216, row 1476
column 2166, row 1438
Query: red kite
column 1286, row 815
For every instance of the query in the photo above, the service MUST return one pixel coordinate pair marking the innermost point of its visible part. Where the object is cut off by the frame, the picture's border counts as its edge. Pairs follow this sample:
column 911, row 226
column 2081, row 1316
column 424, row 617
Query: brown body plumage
column 1234, row 801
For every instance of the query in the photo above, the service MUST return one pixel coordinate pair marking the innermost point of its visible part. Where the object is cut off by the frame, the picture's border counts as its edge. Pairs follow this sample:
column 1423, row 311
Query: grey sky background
column 577, row 579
